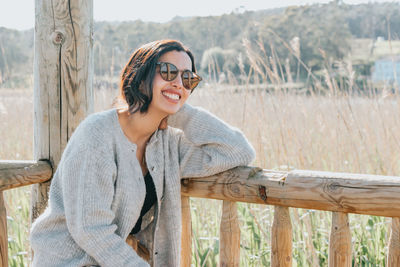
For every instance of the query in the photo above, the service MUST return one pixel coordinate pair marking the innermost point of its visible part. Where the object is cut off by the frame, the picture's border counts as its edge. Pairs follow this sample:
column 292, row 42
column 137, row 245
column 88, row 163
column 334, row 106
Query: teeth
column 172, row 96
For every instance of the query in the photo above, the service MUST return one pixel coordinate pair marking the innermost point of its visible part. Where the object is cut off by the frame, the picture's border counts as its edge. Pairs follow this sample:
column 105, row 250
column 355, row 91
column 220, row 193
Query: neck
column 139, row 127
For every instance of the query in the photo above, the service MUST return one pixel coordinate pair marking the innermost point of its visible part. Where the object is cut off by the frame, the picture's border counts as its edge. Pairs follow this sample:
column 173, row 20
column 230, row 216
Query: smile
column 171, row 95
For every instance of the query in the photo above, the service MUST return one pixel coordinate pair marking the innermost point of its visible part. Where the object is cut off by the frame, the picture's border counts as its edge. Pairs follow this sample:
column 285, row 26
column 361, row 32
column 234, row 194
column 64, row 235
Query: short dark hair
column 136, row 87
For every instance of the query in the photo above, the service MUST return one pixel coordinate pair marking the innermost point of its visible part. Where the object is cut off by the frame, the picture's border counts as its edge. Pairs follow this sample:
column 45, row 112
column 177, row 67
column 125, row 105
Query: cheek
column 158, row 85
column 185, row 94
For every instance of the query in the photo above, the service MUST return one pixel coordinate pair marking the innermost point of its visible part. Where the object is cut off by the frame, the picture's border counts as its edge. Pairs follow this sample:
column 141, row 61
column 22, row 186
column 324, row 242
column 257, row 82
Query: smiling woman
column 115, row 197
column 142, row 89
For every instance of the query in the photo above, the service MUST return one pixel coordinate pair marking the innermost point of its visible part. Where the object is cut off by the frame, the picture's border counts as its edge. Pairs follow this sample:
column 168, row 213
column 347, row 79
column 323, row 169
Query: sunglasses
column 169, row 72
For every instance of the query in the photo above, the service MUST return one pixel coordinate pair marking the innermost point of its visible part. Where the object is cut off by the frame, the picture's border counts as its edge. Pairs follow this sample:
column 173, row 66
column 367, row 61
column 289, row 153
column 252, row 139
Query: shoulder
column 100, row 120
column 96, row 130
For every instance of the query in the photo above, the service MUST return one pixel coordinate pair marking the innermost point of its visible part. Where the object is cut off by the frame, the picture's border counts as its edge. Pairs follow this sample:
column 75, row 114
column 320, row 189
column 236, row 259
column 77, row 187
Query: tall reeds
column 325, row 124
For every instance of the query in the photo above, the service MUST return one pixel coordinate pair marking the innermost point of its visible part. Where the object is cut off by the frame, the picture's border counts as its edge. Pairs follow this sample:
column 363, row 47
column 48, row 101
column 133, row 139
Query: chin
column 170, row 110
column 166, row 105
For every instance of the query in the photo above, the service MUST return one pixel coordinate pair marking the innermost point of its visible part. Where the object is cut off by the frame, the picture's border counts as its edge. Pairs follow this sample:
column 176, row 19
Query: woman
column 120, row 172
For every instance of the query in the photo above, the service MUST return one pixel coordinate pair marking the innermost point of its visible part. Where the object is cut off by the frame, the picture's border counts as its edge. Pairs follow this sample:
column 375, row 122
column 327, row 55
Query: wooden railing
column 340, row 193
column 16, row 174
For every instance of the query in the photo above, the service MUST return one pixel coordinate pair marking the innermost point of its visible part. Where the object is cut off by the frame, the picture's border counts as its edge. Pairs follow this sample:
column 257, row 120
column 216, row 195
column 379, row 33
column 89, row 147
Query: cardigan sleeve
column 87, row 179
column 206, row 144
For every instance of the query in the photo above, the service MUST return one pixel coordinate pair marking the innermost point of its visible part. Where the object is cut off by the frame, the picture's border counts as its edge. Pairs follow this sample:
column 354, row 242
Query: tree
column 15, row 54
column 323, row 34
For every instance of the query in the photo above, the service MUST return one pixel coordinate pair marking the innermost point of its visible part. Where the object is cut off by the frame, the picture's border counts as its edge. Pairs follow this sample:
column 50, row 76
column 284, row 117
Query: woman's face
column 169, row 96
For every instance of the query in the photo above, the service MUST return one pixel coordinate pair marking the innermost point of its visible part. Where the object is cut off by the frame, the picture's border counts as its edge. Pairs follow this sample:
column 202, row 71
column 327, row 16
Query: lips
column 171, row 95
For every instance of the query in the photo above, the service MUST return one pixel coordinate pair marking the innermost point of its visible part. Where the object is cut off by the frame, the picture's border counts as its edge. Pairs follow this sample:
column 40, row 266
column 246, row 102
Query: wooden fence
column 15, row 174
column 340, row 193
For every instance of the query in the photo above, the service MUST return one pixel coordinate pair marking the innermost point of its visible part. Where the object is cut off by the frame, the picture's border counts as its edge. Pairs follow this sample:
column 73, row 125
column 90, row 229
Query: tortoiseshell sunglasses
column 169, row 72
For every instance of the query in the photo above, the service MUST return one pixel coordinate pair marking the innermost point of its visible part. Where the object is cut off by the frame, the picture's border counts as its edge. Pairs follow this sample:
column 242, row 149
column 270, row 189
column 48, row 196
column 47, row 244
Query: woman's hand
column 163, row 124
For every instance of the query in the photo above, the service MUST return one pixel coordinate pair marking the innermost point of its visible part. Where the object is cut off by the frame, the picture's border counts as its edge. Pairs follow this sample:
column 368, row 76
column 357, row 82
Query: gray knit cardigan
column 98, row 189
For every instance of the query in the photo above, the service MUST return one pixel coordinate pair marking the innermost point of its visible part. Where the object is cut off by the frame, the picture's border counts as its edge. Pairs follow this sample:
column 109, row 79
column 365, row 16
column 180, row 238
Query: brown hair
column 137, row 77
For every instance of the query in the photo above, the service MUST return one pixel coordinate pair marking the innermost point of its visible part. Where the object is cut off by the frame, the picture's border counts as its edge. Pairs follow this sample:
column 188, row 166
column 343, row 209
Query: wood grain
column 393, row 258
column 281, row 241
column 343, row 192
column 186, row 240
column 20, row 173
column 229, row 244
column 3, row 233
column 340, row 241
column 63, row 73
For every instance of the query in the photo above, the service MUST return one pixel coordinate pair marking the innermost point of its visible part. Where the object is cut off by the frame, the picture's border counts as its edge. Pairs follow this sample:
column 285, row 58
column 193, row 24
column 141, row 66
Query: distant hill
column 317, row 33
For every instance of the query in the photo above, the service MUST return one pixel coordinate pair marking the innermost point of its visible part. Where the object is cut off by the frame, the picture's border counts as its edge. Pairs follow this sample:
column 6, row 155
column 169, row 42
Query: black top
column 149, row 201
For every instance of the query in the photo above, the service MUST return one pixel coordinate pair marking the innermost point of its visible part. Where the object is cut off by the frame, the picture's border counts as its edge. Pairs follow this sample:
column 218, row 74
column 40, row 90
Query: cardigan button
column 156, row 253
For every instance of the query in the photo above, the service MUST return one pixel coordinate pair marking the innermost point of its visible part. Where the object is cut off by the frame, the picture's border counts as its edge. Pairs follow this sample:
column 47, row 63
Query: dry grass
column 339, row 133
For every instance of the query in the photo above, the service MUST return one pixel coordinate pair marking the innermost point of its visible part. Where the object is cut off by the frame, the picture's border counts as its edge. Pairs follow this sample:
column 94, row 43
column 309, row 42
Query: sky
column 19, row 14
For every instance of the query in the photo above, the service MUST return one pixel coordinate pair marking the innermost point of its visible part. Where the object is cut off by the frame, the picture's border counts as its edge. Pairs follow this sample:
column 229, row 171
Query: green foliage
column 16, row 54
column 372, row 20
column 369, row 246
column 254, row 241
column 324, row 32
column 18, row 226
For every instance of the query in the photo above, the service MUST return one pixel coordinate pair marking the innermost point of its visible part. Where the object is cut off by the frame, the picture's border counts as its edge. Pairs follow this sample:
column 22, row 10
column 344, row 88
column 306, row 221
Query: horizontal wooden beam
column 20, row 173
column 344, row 192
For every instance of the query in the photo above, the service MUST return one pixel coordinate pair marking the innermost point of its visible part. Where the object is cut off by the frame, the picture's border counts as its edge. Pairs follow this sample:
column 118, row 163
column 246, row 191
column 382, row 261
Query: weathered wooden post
column 229, row 246
column 186, row 240
column 393, row 257
column 281, row 243
column 3, row 233
column 340, row 241
column 63, row 73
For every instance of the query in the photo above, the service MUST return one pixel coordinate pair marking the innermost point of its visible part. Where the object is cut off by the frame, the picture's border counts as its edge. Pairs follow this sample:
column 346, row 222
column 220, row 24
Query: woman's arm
column 87, row 181
column 207, row 145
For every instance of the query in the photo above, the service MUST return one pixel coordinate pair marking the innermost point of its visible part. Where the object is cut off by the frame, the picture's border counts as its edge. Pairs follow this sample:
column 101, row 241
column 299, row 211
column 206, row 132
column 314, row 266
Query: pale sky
column 19, row 14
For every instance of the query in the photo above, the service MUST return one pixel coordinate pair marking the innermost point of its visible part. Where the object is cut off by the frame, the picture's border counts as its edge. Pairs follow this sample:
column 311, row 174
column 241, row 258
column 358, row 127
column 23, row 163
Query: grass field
column 337, row 132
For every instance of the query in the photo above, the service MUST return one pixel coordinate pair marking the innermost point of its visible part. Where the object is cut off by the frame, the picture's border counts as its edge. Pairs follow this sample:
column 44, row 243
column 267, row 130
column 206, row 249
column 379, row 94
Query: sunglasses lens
column 173, row 72
column 169, row 72
column 190, row 80
column 194, row 82
column 164, row 71
column 186, row 79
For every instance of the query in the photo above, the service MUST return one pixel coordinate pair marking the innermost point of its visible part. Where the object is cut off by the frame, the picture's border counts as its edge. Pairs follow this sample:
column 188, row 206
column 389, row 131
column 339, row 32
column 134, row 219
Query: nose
column 178, row 81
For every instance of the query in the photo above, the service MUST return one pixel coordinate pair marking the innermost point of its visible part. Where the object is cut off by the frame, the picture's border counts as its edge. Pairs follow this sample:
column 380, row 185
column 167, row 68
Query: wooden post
column 340, row 241
column 229, row 245
column 393, row 258
column 186, row 253
column 63, row 73
column 3, row 233
column 281, row 247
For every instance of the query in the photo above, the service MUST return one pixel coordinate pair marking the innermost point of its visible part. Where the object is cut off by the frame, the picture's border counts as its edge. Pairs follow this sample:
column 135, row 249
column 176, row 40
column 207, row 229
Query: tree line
column 297, row 39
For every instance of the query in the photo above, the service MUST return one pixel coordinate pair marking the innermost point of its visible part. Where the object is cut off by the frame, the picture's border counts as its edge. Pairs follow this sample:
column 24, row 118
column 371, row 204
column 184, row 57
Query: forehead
column 179, row 58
